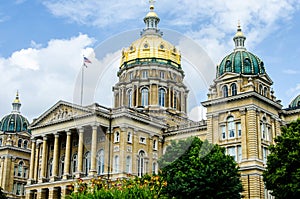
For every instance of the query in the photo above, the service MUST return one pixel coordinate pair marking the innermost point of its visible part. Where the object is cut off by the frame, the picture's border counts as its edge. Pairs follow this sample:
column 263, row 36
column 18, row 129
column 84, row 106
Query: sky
column 42, row 44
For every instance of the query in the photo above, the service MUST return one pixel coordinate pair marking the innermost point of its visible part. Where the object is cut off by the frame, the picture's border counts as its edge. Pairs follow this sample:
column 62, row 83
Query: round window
column 146, row 46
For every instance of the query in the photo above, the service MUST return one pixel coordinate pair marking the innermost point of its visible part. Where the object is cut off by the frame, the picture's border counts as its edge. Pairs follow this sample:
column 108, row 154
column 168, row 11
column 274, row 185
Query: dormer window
column 228, row 66
column 233, row 89
column 225, row 91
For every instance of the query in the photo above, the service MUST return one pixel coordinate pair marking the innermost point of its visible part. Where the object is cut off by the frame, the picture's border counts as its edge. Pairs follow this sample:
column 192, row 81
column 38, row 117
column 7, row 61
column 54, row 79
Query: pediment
column 61, row 111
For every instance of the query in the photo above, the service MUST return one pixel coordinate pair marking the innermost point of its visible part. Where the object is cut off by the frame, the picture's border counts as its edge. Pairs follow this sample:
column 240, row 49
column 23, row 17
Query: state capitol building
column 69, row 141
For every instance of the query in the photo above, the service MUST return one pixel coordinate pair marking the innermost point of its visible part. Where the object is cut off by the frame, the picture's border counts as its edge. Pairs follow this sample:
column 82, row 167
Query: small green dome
column 240, row 60
column 14, row 122
column 295, row 103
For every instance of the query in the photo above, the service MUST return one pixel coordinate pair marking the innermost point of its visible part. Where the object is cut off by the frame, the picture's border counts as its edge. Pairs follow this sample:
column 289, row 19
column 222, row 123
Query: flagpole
column 81, row 95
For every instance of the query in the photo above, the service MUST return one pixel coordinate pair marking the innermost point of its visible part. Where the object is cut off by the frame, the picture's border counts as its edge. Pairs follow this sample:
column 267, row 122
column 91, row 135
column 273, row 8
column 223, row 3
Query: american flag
column 86, row 60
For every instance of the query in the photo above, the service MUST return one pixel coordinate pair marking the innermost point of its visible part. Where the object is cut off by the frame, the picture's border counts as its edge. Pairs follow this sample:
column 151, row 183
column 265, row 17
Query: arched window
column 61, row 165
column 145, row 97
column 0, row 141
column 161, row 97
column 100, row 162
column 116, row 164
column 74, row 163
column 247, row 66
column 228, row 66
column 141, row 163
column 128, row 164
column 230, row 126
column 25, row 144
column 20, row 142
column 117, row 136
column 265, row 91
column 50, row 167
column 24, row 126
column 260, row 89
column 87, row 163
column 129, row 137
column 20, row 168
column 11, row 125
column 233, row 89
column 155, row 144
column 129, row 96
column 225, row 91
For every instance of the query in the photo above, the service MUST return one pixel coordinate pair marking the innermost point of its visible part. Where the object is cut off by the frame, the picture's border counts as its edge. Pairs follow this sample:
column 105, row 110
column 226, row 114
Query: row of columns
column 34, row 159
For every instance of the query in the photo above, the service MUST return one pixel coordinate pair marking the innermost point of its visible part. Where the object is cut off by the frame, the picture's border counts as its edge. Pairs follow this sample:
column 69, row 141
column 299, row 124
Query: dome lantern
column 151, row 21
column 16, row 104
column 239, row 39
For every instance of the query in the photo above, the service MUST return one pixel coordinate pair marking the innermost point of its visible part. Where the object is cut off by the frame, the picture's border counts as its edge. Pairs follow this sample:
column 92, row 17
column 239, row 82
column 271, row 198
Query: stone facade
column 69, row 141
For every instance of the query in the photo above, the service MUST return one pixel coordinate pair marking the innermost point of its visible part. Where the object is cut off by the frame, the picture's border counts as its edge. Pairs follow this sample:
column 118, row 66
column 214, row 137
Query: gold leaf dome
column 151, row 47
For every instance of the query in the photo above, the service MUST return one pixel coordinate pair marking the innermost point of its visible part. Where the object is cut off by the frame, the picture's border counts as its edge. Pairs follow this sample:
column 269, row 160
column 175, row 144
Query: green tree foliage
column 2, row 195
column 147, row 187
column 282, row 175
column 197, row 169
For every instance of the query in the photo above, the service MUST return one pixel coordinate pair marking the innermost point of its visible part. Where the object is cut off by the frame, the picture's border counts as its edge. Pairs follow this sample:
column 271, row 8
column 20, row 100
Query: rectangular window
column 129, row 137
column 144, row 74
column 239, row 129
column 223, row 131
column 264, row 154
column 231, row 151
column 143, row 140
column 75, row 142
column 239, row 151
column 162, row 75
column 130, row 75
column 155, row 144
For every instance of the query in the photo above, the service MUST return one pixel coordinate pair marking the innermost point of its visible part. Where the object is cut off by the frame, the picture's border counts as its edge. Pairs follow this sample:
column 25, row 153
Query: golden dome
column 151, row 46
column 151, row 14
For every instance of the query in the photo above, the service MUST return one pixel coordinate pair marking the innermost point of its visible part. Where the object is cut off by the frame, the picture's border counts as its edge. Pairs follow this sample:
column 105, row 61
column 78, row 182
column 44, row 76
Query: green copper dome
column 14, row 122
column 295, row 103
column 241, row 61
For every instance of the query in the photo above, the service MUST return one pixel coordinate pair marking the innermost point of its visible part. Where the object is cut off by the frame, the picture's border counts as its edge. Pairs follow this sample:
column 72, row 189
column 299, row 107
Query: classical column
column 93, row 170
column 67, row 156
column 32, row 161
column 55, row 156
column 44, row 158
column 36, row 163
column 80, row 152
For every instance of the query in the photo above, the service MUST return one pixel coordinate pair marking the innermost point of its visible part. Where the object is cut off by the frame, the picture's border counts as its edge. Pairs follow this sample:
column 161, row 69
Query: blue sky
column 42, row 42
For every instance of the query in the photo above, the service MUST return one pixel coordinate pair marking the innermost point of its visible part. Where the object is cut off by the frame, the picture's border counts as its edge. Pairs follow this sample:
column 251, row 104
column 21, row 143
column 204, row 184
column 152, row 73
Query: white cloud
column 212, row 23
column 42, row 75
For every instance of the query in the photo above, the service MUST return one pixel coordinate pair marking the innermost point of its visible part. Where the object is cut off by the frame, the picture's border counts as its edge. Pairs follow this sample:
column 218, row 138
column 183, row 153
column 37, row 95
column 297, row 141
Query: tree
column 2, row 195
column 197, row 169
column 282, row 175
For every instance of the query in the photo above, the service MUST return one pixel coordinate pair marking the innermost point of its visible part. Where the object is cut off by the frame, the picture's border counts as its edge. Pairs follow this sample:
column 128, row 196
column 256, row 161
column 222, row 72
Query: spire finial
column 17, row 100
column 151, row 2
column 239, row 26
